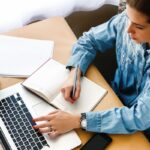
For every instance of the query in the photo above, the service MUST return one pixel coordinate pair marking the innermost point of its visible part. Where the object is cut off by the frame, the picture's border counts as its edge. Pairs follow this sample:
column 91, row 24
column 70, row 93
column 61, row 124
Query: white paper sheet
column 20, row 57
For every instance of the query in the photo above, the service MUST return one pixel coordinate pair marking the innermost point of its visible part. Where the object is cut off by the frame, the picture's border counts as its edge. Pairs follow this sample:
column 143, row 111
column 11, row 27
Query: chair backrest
column 82, row 21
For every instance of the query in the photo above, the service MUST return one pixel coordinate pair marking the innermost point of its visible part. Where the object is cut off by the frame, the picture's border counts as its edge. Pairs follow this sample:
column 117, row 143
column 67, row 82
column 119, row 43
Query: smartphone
column 97, row 142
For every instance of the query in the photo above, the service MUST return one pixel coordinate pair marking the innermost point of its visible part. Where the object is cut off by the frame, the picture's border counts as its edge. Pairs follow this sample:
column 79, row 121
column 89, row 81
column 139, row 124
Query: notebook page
column 91, row 94
column 48, row 79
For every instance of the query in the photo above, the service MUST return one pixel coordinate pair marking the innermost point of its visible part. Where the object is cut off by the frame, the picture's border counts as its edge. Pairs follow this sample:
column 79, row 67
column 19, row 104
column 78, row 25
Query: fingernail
column 34, row 127
column 33, row 120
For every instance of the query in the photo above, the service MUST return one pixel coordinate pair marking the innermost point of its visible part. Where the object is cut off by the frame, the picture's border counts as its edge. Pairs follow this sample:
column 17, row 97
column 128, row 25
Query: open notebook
column 47, row 81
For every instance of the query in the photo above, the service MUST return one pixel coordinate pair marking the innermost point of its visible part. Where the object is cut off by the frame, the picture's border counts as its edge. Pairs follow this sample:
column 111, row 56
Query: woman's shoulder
column 120, row 20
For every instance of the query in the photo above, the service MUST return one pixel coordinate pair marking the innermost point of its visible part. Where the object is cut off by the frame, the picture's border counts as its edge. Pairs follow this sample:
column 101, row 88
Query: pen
column 75, row 82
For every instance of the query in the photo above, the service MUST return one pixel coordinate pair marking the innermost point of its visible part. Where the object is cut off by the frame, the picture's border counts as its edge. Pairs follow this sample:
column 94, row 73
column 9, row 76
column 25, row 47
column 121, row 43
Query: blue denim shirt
column 132, row 78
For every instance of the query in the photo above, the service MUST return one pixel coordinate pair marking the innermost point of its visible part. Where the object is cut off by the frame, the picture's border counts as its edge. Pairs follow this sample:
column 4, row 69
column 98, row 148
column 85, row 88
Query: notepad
column 20, row 57
column 47, row 81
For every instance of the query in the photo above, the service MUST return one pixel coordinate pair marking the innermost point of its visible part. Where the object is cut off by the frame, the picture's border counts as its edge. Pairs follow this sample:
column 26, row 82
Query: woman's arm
column 122, row 120
column 98, row 39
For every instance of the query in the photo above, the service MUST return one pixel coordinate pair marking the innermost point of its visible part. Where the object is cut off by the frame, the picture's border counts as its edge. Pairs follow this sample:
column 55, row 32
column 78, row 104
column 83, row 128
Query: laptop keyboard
column 18, row 122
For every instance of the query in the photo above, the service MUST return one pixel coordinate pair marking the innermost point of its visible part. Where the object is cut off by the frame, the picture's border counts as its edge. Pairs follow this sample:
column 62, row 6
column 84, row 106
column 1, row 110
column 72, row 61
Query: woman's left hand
column 57, row 122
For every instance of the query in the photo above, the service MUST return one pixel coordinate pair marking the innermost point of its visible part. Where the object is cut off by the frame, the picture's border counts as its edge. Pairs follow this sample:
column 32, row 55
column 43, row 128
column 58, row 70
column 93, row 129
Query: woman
column 129, row 33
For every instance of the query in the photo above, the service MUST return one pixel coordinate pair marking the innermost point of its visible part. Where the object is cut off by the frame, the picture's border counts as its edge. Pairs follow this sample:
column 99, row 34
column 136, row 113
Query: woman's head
column 138, row 12
column 142, row 6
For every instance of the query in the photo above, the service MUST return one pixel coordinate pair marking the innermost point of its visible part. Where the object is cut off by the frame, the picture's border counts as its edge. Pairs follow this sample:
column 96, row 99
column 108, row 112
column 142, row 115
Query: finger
column 53, row 112
column 53, row 134
column 42, row 118
column 42, row 125
column 63, row 93
column 67, row 95
column 46, row 130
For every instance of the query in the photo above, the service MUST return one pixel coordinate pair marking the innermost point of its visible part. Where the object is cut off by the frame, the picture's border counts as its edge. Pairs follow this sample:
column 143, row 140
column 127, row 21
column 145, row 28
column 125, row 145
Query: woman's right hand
column 68, row 86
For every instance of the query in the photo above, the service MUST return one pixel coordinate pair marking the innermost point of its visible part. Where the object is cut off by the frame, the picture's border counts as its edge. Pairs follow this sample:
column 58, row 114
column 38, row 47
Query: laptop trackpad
column 43, row 108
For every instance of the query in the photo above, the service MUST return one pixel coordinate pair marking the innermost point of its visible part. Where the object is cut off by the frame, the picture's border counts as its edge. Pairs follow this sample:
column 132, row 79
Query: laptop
column 17, row 108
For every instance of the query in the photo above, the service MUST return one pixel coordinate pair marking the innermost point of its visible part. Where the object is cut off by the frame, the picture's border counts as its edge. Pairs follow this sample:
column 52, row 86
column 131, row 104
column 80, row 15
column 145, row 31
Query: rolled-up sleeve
column 123, row 120
column 100, row 38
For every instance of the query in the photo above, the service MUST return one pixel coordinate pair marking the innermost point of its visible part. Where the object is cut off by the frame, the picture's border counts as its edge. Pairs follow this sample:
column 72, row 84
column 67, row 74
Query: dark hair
column 141, row 5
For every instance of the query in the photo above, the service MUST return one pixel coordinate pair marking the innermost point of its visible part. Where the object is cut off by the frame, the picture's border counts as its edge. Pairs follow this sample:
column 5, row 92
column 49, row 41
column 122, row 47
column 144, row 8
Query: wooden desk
column 57, row 29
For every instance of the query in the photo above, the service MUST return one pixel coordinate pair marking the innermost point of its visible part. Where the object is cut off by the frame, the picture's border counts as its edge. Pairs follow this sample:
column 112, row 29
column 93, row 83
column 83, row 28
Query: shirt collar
column 145, row 46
